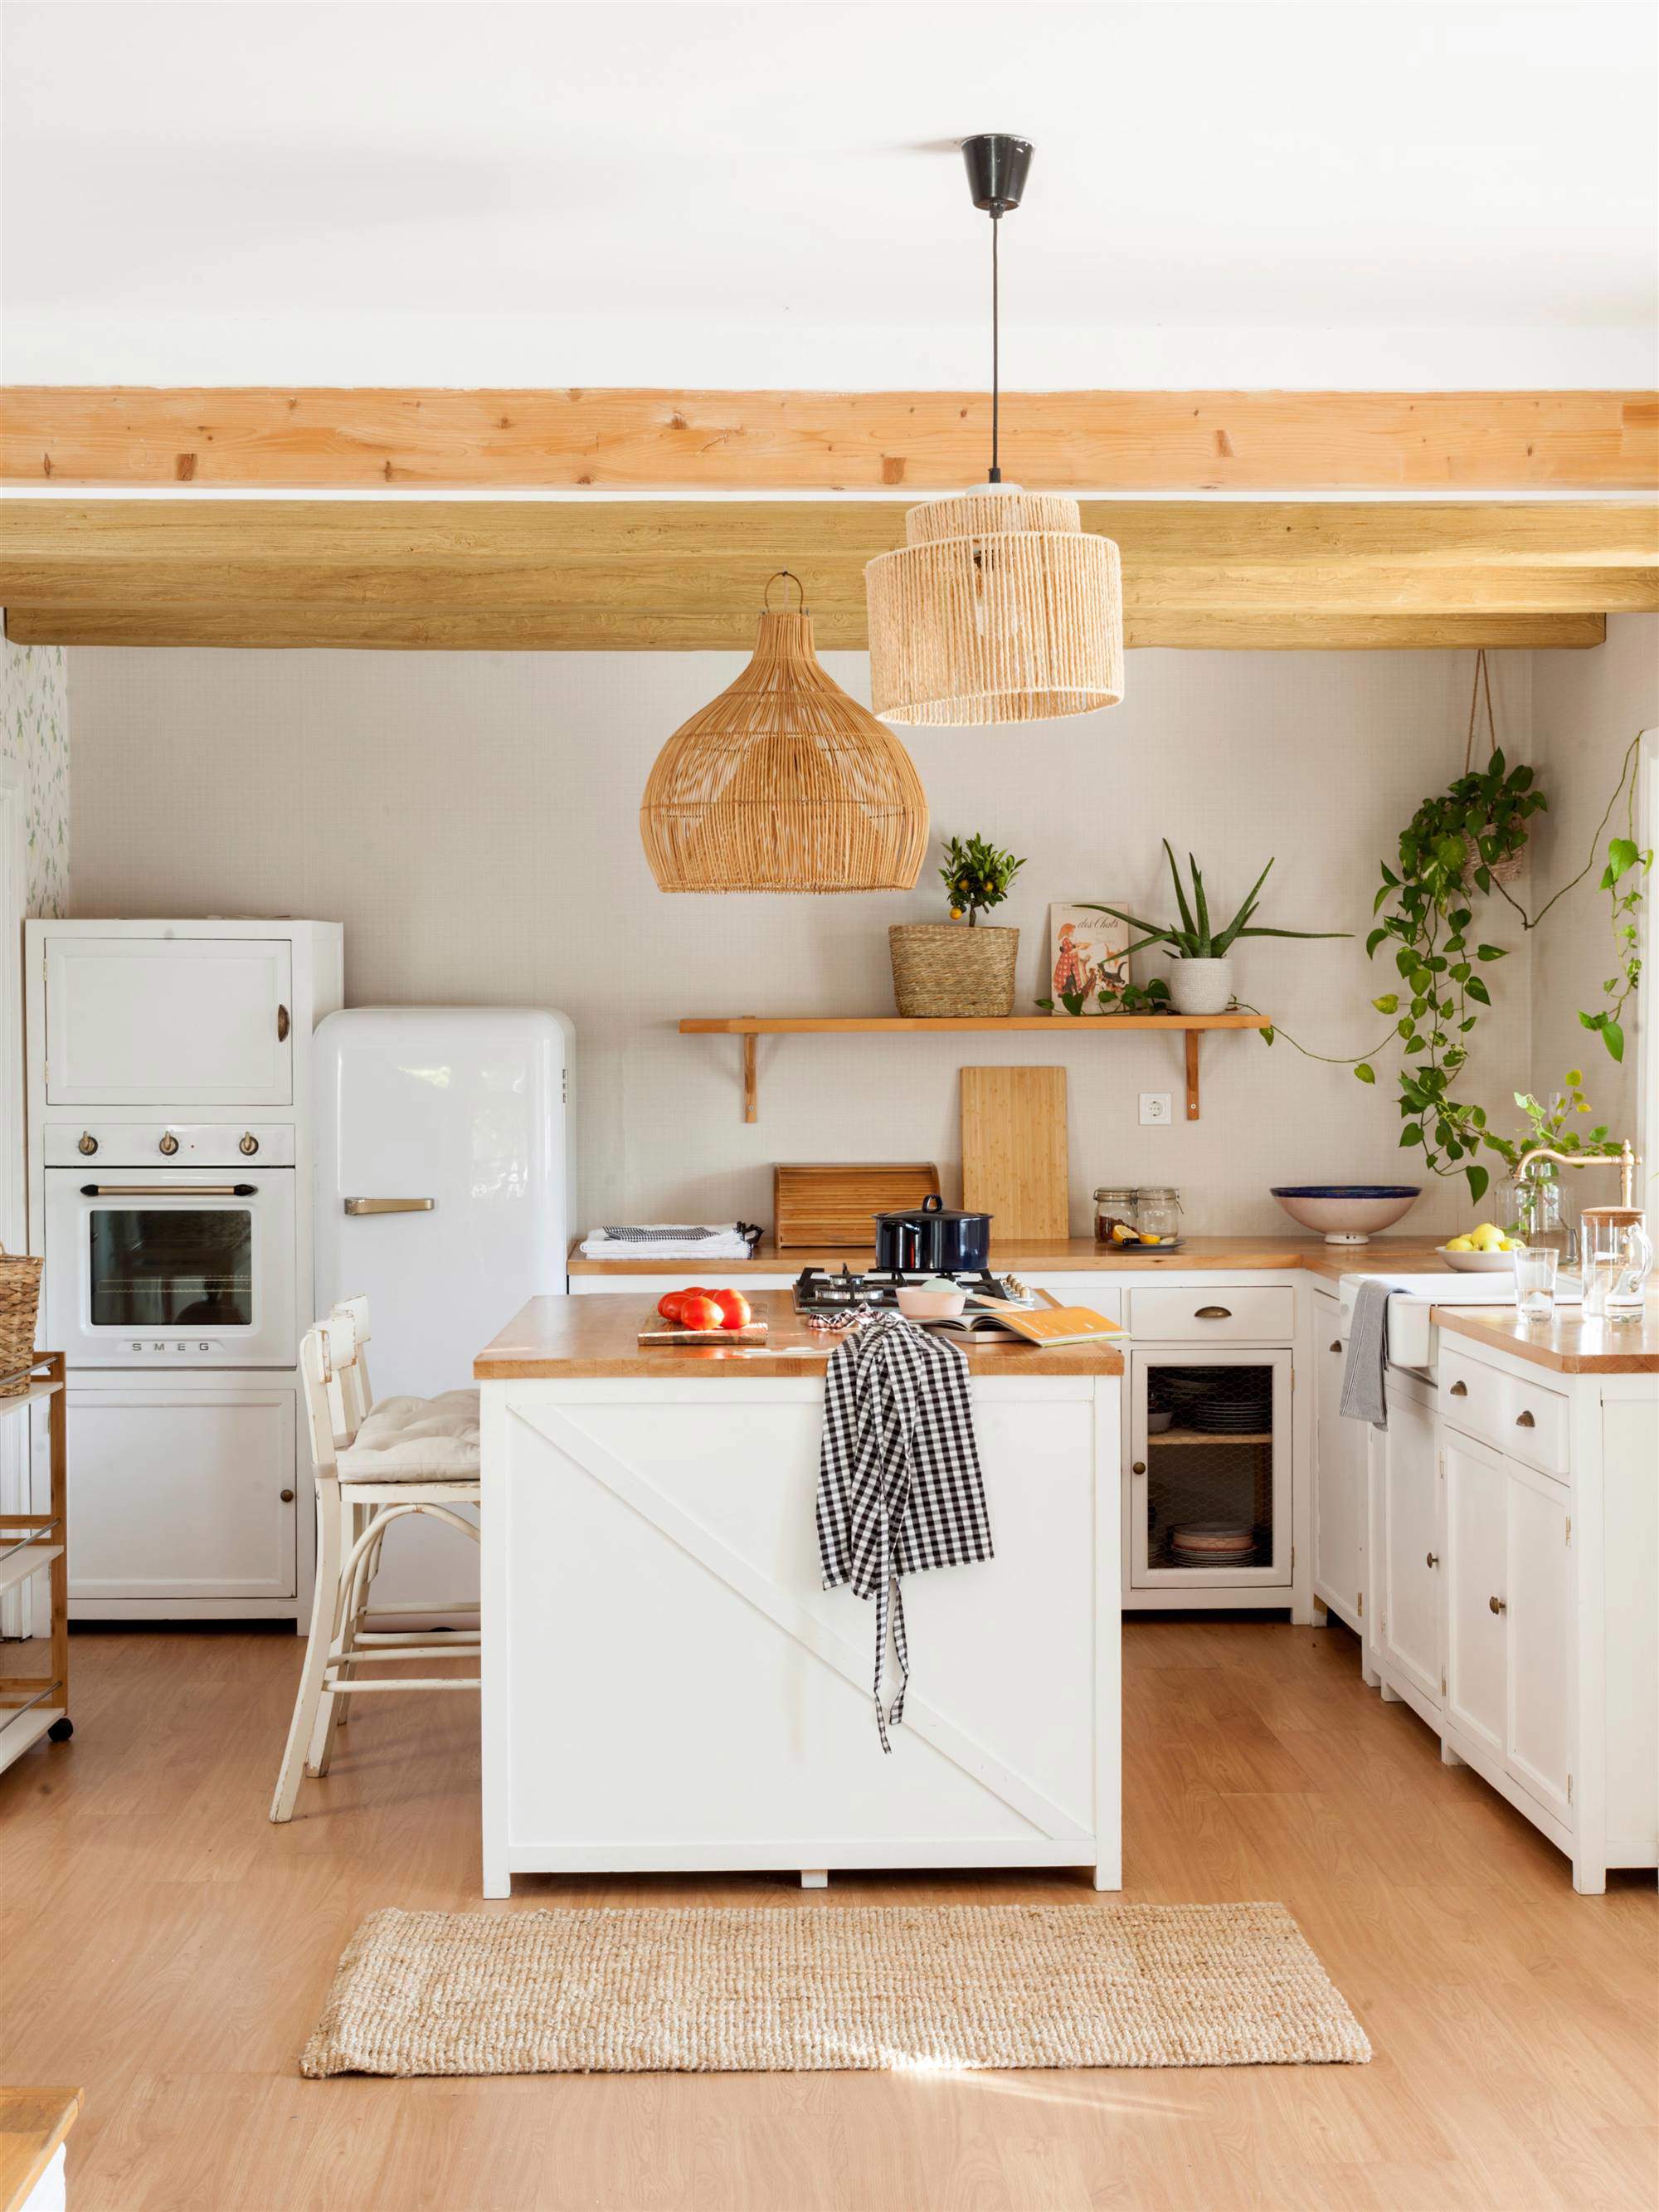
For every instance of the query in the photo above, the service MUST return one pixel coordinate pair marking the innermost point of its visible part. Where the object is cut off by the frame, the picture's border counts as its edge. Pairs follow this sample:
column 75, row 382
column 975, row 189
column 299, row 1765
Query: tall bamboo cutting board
column 1014, row 1150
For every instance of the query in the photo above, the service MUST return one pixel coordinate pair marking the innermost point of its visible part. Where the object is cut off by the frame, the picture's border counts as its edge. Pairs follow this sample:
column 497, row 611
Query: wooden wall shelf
column 750, row 1026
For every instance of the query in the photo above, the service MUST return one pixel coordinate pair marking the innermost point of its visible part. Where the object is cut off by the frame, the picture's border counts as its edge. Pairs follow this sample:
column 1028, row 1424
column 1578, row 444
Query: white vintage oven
column 170, row 1246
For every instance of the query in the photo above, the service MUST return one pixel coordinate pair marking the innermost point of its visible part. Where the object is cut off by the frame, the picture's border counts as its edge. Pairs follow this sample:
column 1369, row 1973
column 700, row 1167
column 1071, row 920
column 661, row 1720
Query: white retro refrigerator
column 454, row 1122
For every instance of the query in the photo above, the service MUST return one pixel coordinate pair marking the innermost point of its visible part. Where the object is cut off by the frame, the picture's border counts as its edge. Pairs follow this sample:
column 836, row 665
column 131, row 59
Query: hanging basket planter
column 1512, row 865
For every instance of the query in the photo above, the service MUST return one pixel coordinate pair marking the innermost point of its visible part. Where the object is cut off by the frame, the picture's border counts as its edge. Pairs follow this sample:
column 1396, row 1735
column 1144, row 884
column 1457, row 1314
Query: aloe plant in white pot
column 1202, row 979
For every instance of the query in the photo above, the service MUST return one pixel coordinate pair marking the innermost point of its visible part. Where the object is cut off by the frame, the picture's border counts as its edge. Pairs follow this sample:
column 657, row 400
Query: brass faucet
column 1624, row 1159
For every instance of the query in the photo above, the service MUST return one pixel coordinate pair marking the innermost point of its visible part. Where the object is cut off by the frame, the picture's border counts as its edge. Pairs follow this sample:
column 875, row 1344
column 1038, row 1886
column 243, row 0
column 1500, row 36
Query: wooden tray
column 656, row 1330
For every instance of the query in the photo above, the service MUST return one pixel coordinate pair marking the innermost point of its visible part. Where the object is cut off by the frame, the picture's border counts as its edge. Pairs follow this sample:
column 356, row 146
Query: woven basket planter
column 20, row 1309
column 942, row 967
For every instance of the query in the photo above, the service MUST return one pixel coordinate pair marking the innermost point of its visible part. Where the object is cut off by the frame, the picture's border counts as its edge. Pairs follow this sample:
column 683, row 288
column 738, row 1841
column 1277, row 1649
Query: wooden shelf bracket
column 749, row 1027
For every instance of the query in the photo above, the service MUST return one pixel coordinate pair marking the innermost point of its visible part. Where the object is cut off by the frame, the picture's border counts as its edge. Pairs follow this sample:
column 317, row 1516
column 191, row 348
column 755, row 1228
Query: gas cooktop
column 818, row 1291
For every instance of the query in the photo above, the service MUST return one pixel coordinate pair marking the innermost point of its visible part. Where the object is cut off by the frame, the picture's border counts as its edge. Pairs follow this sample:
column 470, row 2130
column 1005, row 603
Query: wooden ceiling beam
column 1170, row 442
column 631, row 574
column 592, row 630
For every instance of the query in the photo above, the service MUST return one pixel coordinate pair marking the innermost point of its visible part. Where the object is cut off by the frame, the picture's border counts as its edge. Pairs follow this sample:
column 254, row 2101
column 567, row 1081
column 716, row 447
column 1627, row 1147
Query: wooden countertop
column 566, row 1339
column 1404, row 1255
column 32, row 2123
column 1567, row 1343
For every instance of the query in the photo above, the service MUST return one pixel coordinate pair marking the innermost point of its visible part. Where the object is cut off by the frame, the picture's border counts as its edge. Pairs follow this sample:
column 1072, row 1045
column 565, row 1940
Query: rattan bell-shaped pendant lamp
column 784, row 783
column 1000, row 607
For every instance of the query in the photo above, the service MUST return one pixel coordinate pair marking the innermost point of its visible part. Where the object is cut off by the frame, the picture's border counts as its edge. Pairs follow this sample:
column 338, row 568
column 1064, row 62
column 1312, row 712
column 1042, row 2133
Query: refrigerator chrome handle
column 390, row 1205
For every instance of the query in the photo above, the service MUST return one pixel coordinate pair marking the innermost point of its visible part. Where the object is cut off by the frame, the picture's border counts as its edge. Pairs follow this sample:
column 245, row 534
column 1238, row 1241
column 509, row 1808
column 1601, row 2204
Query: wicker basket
column 20, row 1309
column 943, row 968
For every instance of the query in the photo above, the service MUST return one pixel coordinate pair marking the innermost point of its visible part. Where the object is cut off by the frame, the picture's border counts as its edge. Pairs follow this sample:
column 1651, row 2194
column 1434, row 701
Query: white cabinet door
column 140, row 1021
column 182, row 1494
column 1541, row 1618
column 1474, row 1574
column 1210, row 1486
column 1408, row 1605
column 1338, row 1472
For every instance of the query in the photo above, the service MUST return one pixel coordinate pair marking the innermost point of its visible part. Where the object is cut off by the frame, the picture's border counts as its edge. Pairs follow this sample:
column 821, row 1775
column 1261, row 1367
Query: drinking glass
column 1534, row 1280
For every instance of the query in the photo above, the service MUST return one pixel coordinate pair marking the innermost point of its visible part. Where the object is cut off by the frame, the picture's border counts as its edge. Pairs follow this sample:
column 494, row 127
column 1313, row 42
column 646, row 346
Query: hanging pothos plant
column 1453, row 849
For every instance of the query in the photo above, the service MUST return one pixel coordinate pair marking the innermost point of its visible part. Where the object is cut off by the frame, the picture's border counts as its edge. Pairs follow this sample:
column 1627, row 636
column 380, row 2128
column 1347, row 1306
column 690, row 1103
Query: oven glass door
column 145, row 1270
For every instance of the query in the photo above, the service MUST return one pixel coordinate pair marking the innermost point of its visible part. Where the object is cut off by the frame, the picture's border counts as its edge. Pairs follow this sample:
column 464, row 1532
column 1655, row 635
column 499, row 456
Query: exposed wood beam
column 630, row 575
column 488, row 630
column 1109, row 441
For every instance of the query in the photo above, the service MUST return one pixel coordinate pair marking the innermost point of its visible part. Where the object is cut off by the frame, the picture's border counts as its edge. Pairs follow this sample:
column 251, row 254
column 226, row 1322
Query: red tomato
column 668, row 1305
column 699, row 1311
column 734, row 1309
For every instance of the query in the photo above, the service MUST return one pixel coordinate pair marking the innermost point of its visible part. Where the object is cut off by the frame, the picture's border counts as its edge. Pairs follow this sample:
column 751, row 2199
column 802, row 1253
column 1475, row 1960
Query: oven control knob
column 250, row 1144
column 88, row 1143
column 169, row 1144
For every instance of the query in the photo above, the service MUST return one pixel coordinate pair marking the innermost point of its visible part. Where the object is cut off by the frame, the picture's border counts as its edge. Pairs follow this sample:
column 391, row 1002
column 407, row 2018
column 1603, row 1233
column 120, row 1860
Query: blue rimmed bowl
column 1347, row 1213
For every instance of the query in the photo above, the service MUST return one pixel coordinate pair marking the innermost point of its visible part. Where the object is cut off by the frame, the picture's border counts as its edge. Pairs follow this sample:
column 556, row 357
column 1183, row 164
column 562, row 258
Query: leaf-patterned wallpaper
column 34, row 730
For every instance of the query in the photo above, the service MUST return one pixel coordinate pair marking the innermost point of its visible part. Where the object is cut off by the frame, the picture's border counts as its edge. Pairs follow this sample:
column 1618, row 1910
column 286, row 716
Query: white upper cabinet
column 139, row 1021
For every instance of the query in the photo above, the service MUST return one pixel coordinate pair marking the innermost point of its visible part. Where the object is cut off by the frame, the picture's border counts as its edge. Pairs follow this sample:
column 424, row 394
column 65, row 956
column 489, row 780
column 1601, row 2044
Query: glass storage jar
column 1158, row 1211
column 1114, row 1209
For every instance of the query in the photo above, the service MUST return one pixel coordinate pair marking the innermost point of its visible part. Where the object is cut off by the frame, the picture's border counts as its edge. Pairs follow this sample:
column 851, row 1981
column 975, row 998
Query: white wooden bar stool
column 373, row 1464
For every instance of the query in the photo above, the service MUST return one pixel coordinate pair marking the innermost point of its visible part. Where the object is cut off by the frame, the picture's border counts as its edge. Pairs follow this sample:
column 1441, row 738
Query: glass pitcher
column 1618, row 1259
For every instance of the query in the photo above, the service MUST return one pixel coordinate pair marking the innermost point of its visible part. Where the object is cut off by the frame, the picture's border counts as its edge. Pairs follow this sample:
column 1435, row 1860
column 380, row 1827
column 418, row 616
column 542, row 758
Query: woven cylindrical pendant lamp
column 1000, row 608
column 784, row 783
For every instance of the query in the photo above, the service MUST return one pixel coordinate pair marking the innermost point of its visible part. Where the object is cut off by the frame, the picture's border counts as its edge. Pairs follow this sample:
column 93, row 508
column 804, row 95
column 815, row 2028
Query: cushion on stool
column 416, row 1440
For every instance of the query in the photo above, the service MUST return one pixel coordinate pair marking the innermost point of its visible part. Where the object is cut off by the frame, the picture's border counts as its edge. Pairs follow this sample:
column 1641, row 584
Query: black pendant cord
column 995, row 475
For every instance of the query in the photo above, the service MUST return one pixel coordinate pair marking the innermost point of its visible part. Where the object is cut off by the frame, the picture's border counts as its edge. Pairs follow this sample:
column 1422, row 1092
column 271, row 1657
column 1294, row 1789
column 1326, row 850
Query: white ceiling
column 1369, row 194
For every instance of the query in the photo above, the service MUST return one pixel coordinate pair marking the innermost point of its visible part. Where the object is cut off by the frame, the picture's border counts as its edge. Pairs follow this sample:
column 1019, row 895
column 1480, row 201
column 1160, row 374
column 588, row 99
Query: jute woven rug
column 830, row 1987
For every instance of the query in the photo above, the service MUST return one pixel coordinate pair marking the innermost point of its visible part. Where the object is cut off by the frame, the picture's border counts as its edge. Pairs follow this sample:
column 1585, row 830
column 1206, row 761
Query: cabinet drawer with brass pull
column 1236, row 1315
column 1520, row 1418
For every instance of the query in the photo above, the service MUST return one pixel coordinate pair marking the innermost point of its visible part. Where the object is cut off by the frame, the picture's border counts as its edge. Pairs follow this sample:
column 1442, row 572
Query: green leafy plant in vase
column 1201, row 978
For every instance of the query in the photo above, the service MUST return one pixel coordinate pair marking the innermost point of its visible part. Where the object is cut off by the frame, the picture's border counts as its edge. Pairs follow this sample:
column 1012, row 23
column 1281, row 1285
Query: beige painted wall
column 472, row 820
column 1586, row 707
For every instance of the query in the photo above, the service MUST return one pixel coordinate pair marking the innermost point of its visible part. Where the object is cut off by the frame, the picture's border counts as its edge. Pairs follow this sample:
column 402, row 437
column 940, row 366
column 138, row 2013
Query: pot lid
column 931, row 1209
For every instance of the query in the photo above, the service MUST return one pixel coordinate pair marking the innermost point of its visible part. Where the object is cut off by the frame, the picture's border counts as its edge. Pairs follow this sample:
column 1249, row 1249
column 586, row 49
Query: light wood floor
column 167, row 1947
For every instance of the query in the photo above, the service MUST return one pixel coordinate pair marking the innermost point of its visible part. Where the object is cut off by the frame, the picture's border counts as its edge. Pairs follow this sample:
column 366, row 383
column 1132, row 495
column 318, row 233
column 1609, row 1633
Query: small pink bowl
column 932, row 1305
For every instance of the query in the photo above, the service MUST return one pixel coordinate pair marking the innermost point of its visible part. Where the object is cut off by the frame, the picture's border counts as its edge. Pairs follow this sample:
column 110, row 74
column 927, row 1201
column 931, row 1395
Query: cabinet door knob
column 282, row 1024
column 1431, row 1558
column 287, row 1497
column 1336, row 1344
column 1140, row 1467
column 1214, row 1313
column 1497, row 1605
column 1459, row 1390
column 1525, row 1421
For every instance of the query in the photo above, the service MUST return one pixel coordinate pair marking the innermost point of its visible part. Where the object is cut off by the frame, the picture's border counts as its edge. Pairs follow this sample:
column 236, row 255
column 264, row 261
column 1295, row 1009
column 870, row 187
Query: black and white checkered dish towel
column 899, row 1483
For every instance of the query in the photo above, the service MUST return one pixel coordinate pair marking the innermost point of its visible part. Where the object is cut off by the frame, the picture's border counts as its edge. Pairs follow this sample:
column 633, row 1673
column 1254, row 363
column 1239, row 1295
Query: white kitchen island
column 666, row 1686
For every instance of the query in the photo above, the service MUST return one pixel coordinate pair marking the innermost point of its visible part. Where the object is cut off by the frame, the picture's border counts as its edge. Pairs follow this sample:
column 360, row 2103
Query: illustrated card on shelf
column 1088, row 953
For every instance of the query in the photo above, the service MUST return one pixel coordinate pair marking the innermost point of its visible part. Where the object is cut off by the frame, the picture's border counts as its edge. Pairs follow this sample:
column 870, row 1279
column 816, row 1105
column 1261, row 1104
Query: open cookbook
column 1036, row 1324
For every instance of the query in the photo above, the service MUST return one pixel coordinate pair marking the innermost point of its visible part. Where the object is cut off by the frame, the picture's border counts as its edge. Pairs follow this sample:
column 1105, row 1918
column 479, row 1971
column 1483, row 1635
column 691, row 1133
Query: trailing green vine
column 1454, row 846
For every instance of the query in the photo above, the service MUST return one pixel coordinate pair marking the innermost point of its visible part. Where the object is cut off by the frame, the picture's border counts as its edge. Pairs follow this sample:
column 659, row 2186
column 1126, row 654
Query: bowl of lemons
column 1485, row 1250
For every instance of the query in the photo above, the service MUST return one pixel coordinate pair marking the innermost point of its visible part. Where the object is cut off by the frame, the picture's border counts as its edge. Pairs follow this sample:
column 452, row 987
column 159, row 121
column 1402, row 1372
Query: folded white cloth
column 416, row 1440
column 718, row 1240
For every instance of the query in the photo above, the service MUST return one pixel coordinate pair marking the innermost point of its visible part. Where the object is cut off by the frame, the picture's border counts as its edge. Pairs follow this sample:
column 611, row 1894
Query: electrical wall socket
column 1155, row 1109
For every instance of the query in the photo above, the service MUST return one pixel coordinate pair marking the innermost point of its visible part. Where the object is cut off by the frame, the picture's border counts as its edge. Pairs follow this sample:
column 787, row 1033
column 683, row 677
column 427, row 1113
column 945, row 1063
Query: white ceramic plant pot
column 1201, row 986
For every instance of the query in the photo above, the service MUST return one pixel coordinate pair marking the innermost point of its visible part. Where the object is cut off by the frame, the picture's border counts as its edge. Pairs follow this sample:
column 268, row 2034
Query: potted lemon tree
column 960, row 966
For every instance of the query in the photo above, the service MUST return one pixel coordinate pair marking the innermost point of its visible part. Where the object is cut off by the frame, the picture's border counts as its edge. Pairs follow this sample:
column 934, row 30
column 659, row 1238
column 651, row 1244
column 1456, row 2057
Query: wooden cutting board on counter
column 1014, row 1151
column 831, row 1202
column 655, row 1329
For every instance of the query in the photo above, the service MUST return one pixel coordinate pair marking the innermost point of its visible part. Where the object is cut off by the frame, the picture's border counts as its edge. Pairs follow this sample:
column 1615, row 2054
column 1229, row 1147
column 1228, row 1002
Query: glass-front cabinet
column 1210, row 1469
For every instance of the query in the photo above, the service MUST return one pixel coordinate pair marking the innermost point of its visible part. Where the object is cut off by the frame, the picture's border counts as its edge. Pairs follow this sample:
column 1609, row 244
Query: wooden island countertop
column 569, row 1338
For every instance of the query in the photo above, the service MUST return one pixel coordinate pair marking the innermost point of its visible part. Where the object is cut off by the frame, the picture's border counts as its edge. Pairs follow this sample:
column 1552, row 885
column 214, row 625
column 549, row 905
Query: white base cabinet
column 1515, row 1536
column 1339, row 1482
column 187, row 1500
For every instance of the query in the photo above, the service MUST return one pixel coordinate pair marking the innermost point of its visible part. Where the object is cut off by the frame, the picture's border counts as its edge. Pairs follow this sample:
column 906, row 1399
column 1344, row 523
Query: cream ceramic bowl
column 1347, row 1212
column 918, row 1303
column 1476, row 1263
